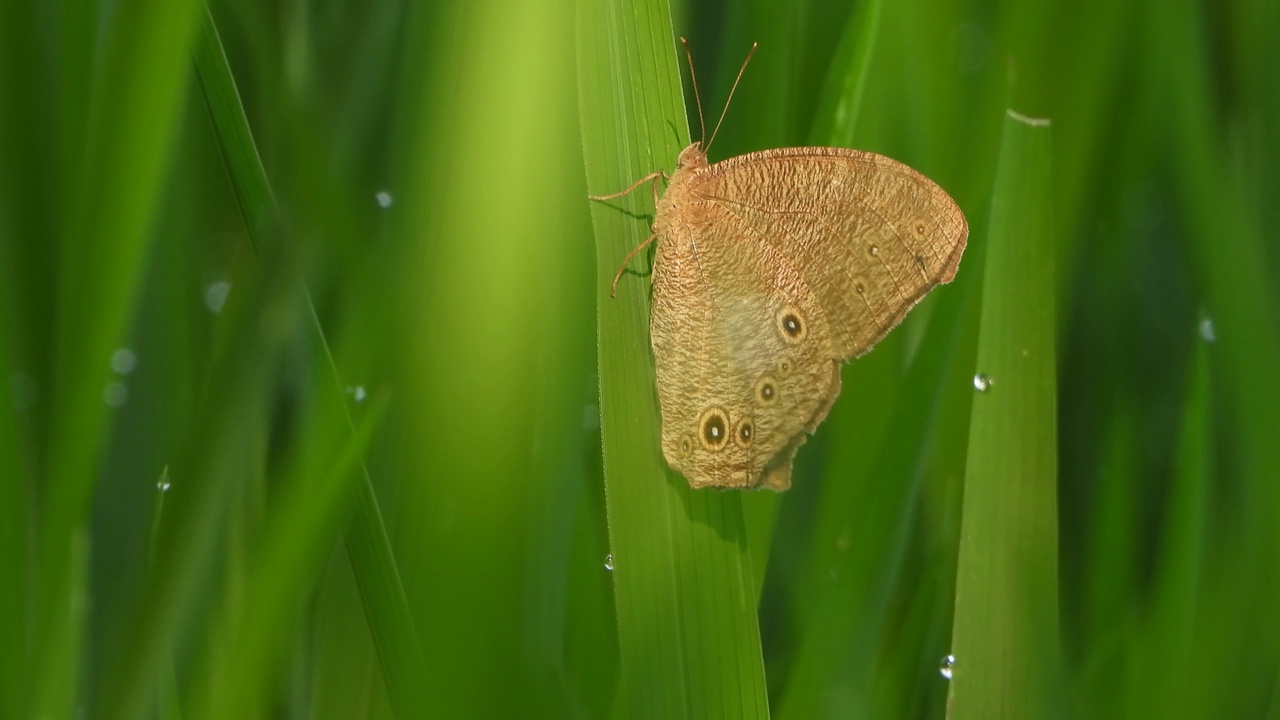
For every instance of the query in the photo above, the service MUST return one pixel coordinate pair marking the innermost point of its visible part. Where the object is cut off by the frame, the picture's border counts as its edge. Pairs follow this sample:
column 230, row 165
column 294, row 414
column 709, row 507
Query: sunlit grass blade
column 386, row 608
column 683, row 585
column 1005, row 633
column 496, row 266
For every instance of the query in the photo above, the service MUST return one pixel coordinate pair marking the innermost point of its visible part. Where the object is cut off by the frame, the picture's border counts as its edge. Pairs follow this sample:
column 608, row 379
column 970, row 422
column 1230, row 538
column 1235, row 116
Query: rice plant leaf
column 684, row 589
column 1004, row 638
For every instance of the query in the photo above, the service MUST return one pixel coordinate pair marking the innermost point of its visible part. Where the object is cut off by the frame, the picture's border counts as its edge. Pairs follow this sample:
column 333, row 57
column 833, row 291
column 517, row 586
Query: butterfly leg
column 651, row 177
column 613, row 292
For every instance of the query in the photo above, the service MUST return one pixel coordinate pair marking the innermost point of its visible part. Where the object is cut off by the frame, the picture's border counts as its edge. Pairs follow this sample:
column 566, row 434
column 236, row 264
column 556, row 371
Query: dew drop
column 123, row 361
column 162, row 485
column 948, row 667
column 384, row 199
column 357, row 393
column 1206, row 330
column 115, row 394
column 982, row 383
column 608, row 562
column 215, row 296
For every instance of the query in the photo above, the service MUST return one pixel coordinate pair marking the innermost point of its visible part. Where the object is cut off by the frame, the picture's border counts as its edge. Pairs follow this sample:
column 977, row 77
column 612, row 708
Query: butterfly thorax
column 692, row 161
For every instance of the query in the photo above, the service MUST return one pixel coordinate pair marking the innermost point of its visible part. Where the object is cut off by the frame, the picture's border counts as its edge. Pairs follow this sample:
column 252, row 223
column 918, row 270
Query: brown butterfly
column 772, row 269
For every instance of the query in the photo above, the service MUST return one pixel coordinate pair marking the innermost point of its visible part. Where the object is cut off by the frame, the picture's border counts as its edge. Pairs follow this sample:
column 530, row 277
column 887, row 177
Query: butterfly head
column 692, row 157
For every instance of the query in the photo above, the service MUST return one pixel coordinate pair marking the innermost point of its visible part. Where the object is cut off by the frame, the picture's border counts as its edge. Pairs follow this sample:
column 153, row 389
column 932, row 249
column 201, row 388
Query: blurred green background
column 213, row 347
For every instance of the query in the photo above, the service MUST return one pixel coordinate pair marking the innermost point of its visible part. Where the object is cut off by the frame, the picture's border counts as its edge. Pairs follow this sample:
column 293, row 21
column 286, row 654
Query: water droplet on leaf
column 948, row 667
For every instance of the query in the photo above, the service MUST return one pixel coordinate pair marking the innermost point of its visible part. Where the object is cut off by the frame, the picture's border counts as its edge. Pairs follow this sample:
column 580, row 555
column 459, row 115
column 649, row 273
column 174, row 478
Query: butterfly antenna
column 731, row 91
column 697, row 98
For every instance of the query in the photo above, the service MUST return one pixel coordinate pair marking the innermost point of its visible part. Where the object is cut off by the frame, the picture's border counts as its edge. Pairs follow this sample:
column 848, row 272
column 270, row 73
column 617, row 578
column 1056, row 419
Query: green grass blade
column 1006, row 613
column 683, row 585
column 14, row 567
column 169, row 708
column 1218, row 168
column 208, row 477
column 235, row 139
column 118, row 128
column 1165, row 657
column 841, row 100
column 494, row 266
column 386, row 606
column 308, row 518
column 1239, row 293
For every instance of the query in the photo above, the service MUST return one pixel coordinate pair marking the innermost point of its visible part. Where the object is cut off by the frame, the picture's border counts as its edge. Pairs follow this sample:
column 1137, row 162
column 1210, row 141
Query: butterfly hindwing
column 742, row 348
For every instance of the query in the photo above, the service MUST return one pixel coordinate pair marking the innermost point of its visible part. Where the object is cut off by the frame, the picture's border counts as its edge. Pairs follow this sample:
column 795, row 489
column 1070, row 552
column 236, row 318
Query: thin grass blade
column 1005, row 635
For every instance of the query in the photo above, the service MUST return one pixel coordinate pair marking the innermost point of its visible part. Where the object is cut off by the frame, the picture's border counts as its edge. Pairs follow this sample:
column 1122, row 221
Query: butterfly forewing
column 869, row 235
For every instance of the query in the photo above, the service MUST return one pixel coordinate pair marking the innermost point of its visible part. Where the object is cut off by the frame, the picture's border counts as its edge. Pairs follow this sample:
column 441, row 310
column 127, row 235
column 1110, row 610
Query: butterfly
column 771, row 270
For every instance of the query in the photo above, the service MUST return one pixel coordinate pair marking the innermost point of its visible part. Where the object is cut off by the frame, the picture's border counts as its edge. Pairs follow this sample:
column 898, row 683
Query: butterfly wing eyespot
column 791, row 324
column 686, row 445
column 746, row 431
column 713, row 429
column 766, row 390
